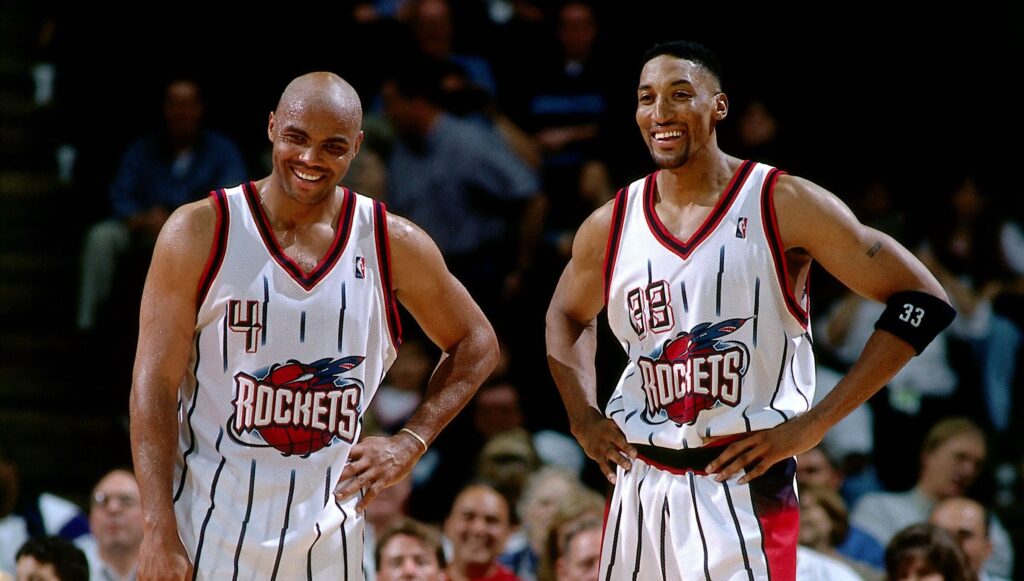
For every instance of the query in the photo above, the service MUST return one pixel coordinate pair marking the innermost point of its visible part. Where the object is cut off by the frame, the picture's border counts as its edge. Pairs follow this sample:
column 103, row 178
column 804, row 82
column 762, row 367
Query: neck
column 704, row 175
column 285, row 213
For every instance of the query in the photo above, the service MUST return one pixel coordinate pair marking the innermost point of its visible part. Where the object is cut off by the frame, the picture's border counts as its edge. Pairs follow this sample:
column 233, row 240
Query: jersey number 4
column 650, row 309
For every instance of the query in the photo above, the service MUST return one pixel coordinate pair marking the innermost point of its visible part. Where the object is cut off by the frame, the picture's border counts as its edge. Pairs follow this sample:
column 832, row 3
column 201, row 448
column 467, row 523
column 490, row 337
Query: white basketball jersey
column 716, row 343
column 284, row 364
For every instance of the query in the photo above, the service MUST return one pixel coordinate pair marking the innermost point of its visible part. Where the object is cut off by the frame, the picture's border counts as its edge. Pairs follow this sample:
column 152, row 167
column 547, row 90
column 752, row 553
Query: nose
column 662, row 109
column 308, row 155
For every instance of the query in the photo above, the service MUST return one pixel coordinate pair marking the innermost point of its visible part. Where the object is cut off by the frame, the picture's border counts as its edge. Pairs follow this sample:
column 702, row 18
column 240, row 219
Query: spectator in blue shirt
column 158, row 173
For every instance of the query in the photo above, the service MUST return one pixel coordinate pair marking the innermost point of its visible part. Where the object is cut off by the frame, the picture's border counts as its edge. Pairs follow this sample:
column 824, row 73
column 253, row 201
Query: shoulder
column 191, row 228
column 793, row 192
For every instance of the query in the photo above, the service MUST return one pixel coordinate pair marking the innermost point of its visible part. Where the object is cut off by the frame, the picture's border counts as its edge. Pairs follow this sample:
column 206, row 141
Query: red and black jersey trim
column 611, row 251
column 219, row 247
column 771, row 228
column 667, row 239
column 380, row 231
column 306, row 280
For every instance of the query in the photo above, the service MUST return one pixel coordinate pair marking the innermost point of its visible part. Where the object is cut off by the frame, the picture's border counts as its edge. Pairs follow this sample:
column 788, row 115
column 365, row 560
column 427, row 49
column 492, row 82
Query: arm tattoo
column 874, row 249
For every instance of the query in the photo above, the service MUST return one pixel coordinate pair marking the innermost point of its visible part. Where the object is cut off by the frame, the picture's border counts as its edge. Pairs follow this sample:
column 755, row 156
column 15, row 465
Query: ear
column 270, row 127
column 359, row 142
column 721, row 106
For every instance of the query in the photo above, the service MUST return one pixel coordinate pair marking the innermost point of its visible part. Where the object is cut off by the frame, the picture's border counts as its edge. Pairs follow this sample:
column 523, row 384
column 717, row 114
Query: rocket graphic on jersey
column 298, row 408
column 695, row 371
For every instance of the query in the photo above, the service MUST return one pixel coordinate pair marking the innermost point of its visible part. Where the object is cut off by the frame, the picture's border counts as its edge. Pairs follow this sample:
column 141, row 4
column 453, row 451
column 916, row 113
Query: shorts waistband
column 681, row 461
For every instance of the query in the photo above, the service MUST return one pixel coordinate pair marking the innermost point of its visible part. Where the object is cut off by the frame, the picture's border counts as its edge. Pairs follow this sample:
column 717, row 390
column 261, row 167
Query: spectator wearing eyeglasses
column 115, row 517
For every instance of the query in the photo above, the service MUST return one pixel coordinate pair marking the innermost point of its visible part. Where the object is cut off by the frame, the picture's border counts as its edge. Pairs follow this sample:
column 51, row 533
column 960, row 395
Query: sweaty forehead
column 666, row 70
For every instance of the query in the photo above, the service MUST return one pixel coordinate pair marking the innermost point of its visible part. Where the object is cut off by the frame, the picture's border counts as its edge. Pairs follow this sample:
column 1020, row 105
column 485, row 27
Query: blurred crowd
column 499, row 156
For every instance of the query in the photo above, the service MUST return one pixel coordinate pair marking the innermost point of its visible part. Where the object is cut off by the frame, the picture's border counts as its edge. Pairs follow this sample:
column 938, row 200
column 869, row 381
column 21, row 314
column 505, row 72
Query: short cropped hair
column 425, row 534
column 694, row 52
column 68, row 560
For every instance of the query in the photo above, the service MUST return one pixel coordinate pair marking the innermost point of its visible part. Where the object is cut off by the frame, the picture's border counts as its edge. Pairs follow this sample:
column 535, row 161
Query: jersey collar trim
column 665, row 236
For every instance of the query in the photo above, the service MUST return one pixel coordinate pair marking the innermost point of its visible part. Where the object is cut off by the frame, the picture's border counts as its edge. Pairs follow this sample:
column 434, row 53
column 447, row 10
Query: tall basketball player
column 268, row 319
column 702, row 266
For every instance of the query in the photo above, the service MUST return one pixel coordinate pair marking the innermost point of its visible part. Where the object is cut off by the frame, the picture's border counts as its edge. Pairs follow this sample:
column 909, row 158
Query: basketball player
column 268, row 319
column 703, row 267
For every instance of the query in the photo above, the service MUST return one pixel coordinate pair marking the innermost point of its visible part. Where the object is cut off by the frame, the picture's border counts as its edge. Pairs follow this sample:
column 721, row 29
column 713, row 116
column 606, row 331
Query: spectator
column 51, row 559
column 478, row 526
column 816, row 471
column 926, row 552
column 23, row 517
column 158, row 173
column 581, row 558
column 968, row 521
column 966, row 254
column 824, row 526
column 115, row 518
column 951, row 458
column 387, row 510
column 410, row 551
column 462, row 185
column 537, row 505
column 576, row 510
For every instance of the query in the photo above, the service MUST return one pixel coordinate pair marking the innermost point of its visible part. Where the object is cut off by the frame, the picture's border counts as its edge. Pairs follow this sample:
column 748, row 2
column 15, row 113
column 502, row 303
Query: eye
column 336, row 149
column 645, row 98
column 683, row 95
column 293, row 138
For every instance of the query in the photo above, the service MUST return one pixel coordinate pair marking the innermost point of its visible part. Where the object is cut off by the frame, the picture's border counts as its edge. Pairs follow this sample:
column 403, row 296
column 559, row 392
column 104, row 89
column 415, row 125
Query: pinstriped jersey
column 284, row 364
column 717, row 345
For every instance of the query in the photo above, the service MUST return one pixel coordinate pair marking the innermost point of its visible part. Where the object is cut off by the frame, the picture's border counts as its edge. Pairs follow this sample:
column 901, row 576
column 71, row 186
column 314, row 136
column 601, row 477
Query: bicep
column 168, row 311
column 442, row 307
column 579, row 294
column 868, row 261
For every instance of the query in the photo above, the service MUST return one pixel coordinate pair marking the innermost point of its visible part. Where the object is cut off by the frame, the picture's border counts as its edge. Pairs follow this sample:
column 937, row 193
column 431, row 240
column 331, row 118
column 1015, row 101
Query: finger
column 369, row 493
column 757, row 470
column 609, row 471
column 729, row 454
column 347, row 488
column 620, row 459
column 619, row 439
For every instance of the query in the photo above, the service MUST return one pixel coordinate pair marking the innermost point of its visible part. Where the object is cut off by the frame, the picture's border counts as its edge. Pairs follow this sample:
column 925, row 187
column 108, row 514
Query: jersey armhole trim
column 380, row 231
column 219, row 247
column 771, row 228
column 611, row 250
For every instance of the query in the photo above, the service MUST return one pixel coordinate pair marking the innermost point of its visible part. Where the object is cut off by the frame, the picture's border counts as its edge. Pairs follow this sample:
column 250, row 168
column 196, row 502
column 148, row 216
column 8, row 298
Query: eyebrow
column 295, row 129
column 675, row 83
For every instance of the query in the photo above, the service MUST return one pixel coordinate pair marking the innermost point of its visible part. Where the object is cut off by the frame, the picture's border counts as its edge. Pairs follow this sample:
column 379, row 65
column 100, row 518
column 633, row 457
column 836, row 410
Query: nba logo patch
column 360, row 267
column 741, row 228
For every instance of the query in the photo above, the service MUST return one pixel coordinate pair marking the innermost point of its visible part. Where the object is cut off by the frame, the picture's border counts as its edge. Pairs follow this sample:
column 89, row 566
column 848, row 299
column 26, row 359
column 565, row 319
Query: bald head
column 324, row 91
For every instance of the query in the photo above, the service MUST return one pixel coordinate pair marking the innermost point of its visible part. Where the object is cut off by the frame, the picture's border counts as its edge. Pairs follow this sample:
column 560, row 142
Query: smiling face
column 678, row 104
column 315, row 133
column 477, row 526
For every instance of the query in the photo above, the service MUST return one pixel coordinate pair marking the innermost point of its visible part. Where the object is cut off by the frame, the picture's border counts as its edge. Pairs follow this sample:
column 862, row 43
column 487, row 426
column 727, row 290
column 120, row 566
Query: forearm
column 154, row 445
column 883, row 356
column 571, row 350
column 462, row 369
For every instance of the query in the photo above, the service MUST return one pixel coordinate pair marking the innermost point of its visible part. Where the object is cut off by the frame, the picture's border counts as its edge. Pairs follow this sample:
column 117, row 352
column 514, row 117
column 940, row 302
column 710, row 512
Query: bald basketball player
column 268, row 318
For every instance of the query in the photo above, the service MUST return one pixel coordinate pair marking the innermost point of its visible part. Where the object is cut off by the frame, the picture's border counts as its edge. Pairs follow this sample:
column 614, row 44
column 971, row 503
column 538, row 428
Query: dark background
column 860, row 93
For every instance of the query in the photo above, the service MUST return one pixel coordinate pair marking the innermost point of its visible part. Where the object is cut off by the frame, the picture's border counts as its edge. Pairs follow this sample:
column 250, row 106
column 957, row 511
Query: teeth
column 668, row 134
column 306, row 176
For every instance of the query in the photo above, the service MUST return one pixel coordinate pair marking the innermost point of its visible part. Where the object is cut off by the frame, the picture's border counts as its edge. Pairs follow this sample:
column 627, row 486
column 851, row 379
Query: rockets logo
column 298, row 408
column 694, row 372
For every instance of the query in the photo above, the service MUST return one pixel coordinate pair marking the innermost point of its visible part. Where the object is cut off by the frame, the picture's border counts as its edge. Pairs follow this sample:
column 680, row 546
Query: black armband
column 916, row 317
